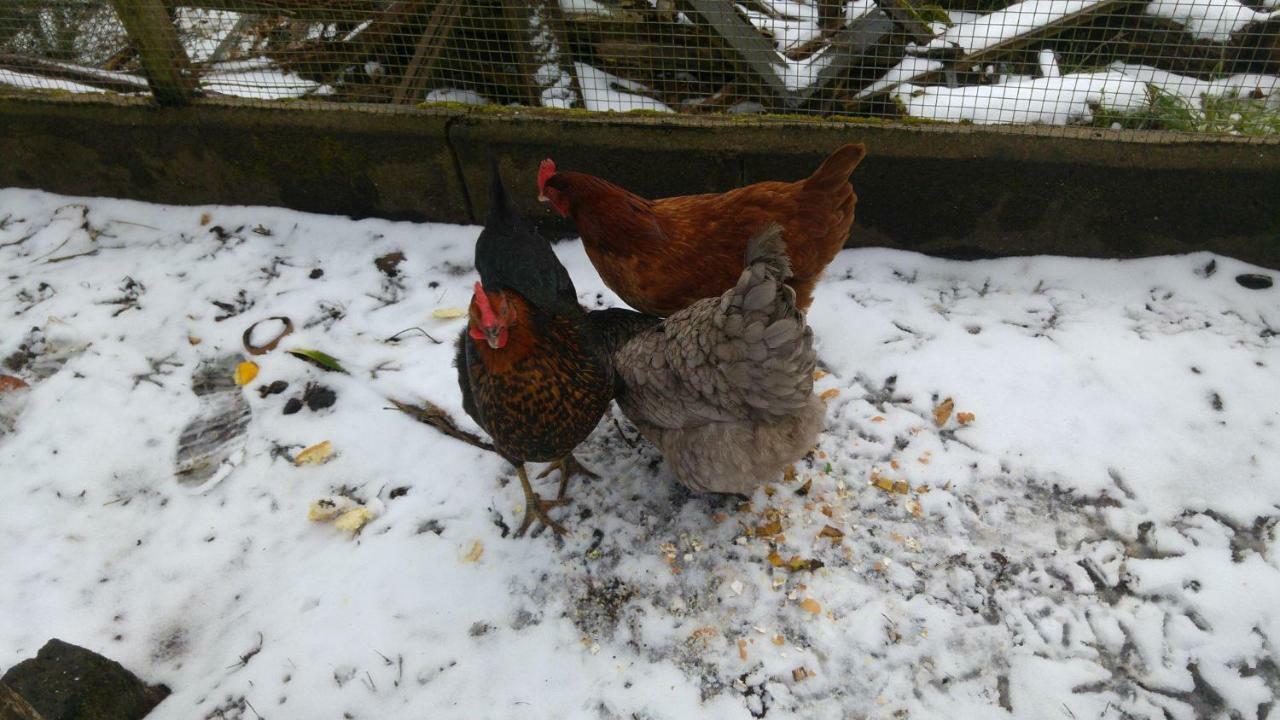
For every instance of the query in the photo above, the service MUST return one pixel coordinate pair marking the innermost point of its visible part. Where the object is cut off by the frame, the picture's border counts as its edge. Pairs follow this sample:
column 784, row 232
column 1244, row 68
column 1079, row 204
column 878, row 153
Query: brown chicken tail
column 838, row 167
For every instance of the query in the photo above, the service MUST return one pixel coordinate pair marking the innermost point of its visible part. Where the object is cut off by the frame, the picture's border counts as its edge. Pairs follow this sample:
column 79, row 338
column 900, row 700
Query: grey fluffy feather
column 725, row 387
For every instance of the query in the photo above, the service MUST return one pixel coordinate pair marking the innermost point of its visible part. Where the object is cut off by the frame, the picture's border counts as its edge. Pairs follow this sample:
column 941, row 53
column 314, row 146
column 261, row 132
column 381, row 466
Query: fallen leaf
column 965, row 418
column 810, row 605
column 830, row 394
column 9, row 383
column 448, row 313
column 769, row 490
column 702, row 634
column 779, row 640
column 389, row 264
column 775, row 559
column 797, row 563
column 354, row 519
column 901, row 487
column 317, row 454
column 773, row 527
column 719, row 518
column 193, row 340
column 942, row 413
column 322, row 360
column 742, row 648
column 835, row 534
column 800, row 673
column 473, row 552
column 913, row 506
column 326, row 509
column 265, row 344
column 205, row 218
column 926, row 457
column 877, row 419
column 246, row 372
column 803, row 490
column 789, row 475
column 894, row 464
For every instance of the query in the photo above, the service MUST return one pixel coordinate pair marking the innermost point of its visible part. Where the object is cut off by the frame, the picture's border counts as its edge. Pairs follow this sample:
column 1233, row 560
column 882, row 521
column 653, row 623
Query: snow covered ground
column 1094, row 537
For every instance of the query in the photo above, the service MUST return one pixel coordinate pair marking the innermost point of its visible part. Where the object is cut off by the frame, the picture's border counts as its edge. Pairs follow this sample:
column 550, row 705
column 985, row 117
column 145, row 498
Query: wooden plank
column 106, row 80
column 427, row 52
column 907, row 18
column 853, row 42
column 756, row 51
column 954, row 55
column 515, row 13
column 164, row 62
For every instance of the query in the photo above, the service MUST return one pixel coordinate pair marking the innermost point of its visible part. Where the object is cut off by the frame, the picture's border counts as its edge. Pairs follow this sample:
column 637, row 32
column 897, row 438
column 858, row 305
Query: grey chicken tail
column 768, row 248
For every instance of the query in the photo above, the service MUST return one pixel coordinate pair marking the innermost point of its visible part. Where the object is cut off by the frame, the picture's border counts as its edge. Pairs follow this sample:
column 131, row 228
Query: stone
column 68, row 682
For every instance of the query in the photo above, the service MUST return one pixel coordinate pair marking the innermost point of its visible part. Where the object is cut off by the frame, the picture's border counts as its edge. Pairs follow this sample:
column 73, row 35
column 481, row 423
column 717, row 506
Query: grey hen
column 725, row 387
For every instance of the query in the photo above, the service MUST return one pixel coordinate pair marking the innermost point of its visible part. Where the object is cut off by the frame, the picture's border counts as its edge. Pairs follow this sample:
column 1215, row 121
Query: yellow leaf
column 901, row 487
column 353, row 519
column 473, row 552
column 829, row 394
column 811, row 605
column 246, row 372
column 942, row 413
column 775, row 559
column 835, row 534
column 317, row 454
column 448, row 313
column 778, row 640
column 819, row 374
column 965, row 418
column 326, row 509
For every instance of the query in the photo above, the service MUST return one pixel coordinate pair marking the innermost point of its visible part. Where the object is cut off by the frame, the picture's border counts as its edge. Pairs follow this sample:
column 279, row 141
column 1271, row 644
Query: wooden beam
column 427, row 52
column 164, row 61
column 853, row 42
column 516, row 15
column 104, row 79
column 757, row 52
column 907, row 18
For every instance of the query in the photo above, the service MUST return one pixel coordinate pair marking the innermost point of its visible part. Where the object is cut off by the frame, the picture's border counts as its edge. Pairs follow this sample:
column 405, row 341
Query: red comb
column 546, row 169
column 487, row 316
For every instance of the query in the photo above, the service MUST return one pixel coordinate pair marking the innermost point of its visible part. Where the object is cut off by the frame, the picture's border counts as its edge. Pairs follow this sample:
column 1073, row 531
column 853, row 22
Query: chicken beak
column 492, row 336
column 543, row 198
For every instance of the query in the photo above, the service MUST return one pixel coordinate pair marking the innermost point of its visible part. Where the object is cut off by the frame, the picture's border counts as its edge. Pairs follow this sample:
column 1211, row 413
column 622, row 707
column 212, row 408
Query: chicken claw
column 535, row 508
column 568, row 467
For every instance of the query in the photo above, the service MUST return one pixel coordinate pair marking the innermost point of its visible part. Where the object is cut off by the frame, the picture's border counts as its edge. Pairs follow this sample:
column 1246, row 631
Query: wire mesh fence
column 1207, row 66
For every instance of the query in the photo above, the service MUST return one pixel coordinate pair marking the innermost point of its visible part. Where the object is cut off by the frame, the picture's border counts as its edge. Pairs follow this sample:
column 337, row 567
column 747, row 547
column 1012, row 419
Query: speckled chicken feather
column 725, row 387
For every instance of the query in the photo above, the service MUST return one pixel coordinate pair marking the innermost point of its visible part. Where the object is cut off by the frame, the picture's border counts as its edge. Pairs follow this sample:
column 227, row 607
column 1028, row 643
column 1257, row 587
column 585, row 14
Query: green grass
column 1226, row 114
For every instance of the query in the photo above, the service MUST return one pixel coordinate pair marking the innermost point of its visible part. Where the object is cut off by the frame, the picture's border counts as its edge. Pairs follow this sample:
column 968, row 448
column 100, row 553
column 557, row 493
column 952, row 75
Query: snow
column 260, row 79
column 1056, row 100
column 1215, row 20
column 1096, row 540
column 1017, row 19
column 466, row 97
column 602, row 91
column 39, row 82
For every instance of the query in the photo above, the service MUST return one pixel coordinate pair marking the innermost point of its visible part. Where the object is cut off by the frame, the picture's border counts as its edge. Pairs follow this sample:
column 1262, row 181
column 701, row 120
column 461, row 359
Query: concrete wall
column 957, row 191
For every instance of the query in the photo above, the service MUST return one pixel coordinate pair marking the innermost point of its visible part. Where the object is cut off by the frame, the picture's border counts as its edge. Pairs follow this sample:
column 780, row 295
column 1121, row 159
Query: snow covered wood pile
column 1109, row 63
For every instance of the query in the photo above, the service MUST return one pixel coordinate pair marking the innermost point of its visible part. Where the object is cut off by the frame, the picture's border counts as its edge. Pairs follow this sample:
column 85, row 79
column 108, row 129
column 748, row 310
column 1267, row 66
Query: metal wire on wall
column 1202, row 66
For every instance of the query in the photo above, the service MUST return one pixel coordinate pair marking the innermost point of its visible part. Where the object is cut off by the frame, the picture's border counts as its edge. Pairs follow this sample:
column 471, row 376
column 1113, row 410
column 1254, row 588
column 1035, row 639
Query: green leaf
column 324, row 361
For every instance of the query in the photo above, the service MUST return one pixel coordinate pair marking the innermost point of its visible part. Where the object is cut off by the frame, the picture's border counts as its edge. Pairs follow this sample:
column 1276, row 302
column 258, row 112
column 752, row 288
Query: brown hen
column 660, row 256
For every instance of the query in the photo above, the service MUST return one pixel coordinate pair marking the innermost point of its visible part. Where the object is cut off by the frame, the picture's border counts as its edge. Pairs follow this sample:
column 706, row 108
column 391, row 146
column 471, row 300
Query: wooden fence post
column 163, row 60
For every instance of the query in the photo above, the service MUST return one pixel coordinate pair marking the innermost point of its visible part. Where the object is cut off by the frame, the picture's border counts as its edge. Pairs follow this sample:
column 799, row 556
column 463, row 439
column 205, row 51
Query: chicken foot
column 535, row 508
column 568, row 467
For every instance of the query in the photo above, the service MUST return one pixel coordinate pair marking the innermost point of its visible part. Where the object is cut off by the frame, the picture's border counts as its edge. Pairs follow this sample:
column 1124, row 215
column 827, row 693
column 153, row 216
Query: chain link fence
column 1202, row 66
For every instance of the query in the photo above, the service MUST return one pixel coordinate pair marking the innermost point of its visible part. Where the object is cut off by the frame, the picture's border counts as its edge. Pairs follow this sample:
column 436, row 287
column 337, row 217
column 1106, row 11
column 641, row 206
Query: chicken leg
column 535, row 508
column 568, row 467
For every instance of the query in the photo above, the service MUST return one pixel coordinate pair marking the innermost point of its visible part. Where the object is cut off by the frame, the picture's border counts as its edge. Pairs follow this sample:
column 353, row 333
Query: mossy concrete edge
column 959, row 191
